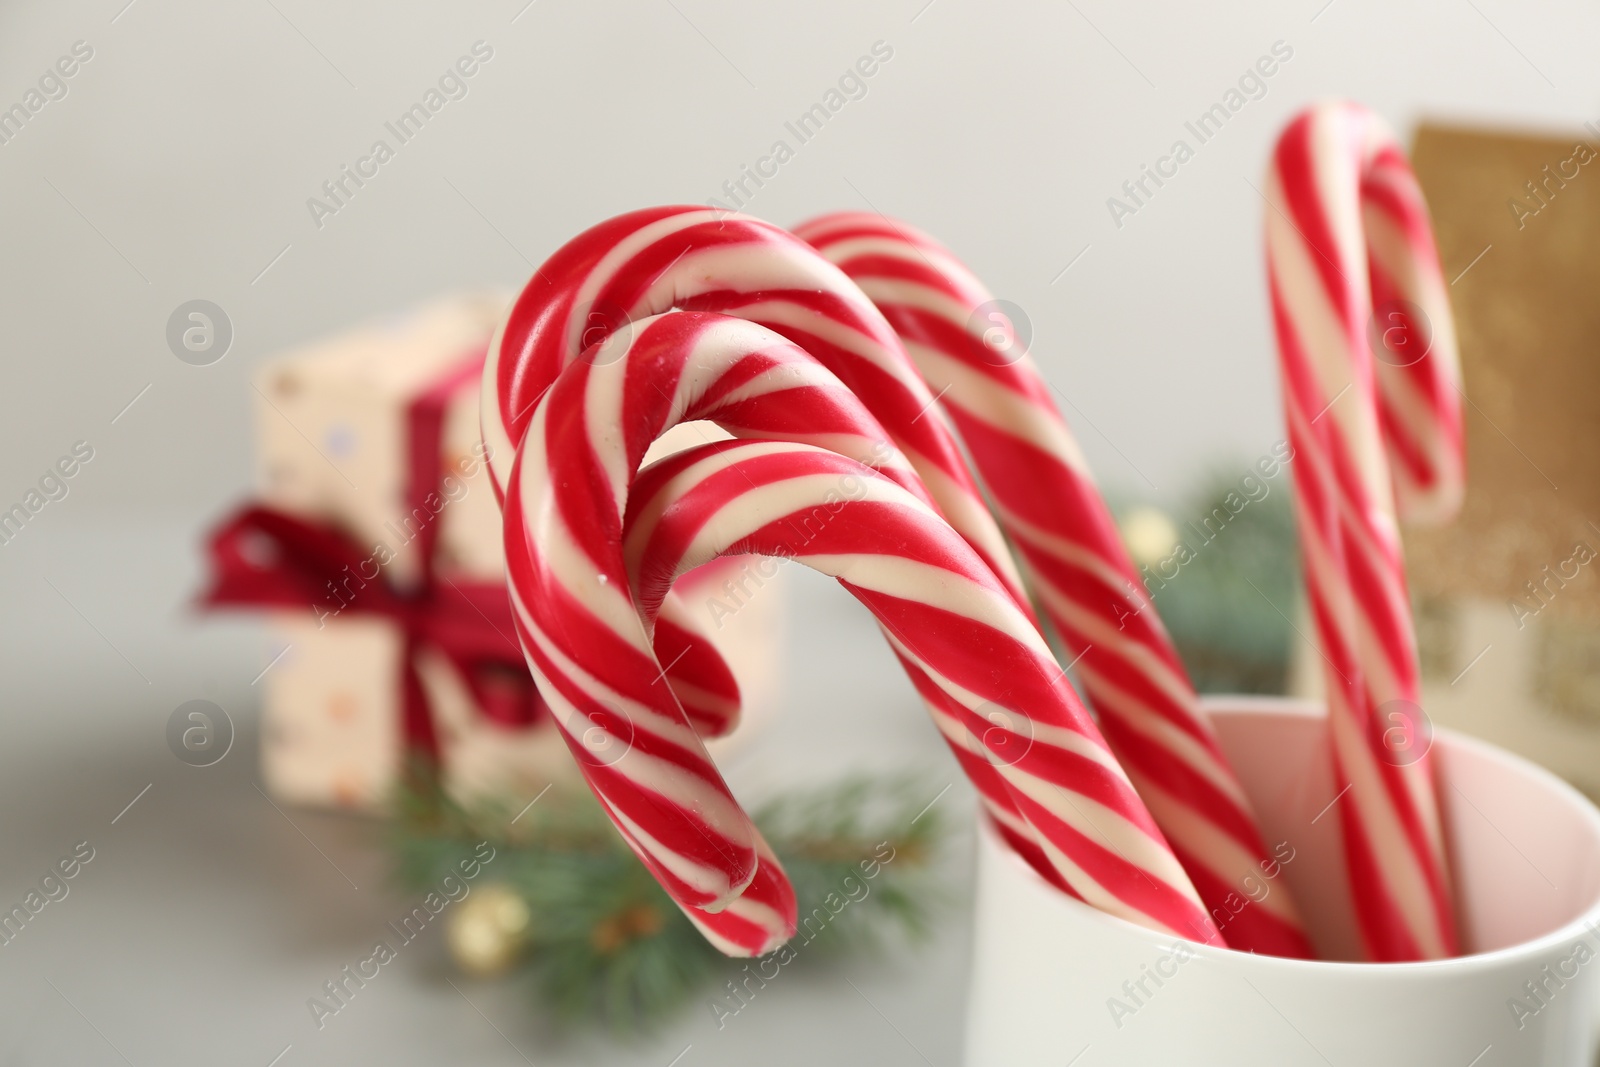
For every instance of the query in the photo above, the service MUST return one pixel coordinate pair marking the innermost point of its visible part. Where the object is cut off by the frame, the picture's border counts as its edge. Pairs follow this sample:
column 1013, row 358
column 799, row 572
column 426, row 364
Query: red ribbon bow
column 263, row 558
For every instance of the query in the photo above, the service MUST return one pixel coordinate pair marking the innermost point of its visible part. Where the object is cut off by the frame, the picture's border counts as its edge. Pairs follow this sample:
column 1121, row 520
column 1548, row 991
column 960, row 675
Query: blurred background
column 184, row 159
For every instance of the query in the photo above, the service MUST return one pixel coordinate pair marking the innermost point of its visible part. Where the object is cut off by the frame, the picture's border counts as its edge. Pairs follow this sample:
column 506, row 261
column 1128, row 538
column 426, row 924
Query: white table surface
column 207, row 918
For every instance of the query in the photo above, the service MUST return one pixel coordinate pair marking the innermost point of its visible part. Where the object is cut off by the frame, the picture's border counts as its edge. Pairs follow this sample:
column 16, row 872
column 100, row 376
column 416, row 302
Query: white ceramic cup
column 1056, row 982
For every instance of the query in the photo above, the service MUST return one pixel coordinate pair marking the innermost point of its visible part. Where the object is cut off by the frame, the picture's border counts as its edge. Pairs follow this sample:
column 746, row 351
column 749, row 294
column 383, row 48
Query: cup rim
column 1586, row 924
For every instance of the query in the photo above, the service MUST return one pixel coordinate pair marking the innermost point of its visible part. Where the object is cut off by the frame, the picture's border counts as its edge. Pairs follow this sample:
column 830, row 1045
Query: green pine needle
column 607, row 945
column 1227, row 609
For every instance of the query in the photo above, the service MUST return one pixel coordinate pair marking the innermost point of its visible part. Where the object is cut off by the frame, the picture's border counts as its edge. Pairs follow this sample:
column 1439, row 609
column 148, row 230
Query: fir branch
column 608, row 946
column 1227, row 606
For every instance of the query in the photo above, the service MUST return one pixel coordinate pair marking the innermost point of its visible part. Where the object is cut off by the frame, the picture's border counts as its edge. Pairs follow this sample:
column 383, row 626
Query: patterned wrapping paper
column 335, row 422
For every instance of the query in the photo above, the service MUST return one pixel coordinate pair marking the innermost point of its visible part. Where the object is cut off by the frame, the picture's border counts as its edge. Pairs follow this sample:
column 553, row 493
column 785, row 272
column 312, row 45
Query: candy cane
column 651, row 261
column 982, row 667
column 675, row 368
column 580, row 623
column 1045, row 497
column 1352, row 263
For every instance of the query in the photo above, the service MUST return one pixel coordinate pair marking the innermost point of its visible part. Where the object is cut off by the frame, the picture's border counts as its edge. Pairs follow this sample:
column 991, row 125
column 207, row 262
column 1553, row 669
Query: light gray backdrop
column 175, row 164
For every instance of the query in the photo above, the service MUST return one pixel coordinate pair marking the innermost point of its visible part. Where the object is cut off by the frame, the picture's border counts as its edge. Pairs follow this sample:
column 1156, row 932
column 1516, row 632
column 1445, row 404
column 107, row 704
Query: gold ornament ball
column 1149, row 534
column 488, row 929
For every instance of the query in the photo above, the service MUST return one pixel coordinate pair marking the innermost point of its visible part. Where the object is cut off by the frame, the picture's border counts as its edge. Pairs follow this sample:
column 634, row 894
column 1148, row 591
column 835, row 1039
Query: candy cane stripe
column 1071, row 553
column 1376, row 431
column 971, row 641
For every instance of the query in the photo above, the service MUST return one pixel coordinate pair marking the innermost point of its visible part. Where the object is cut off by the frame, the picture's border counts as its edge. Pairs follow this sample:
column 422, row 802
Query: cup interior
column 1524, row 846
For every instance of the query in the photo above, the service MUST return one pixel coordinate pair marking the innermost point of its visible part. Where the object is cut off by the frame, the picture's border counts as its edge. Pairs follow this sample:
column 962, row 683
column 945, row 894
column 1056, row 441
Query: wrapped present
column 375, row 542
column 1516, row 217
column 1509, row 598
column 376, row 432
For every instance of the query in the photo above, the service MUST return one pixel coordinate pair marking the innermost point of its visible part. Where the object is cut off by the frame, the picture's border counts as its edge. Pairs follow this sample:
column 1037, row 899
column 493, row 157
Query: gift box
column 1509, row 604
column 375, row 543
column 372, row 435
column 359, row 430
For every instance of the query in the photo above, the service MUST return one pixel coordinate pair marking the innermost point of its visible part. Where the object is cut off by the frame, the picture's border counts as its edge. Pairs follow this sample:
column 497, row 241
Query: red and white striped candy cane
column 698, row 259
column 1372, row 392
column 978, row 661
column 1046, row 499
column 590, row 649
column 649, row 261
